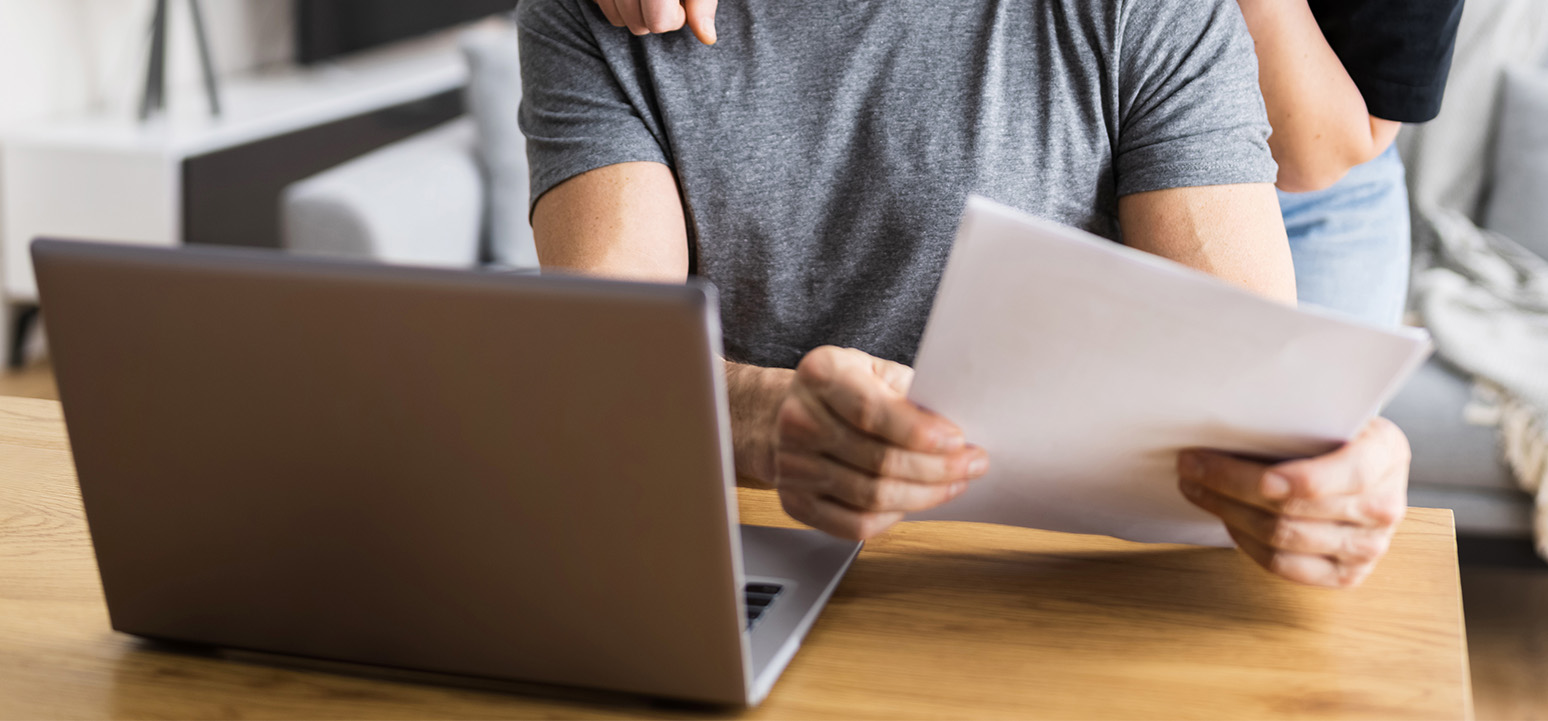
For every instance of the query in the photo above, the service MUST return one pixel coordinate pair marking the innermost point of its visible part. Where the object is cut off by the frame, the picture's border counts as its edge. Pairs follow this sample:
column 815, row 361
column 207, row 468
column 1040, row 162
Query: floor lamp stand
column 154, row 100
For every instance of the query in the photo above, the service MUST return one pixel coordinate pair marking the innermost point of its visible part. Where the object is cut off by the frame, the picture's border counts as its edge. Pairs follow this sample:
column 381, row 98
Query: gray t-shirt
column 824, row 149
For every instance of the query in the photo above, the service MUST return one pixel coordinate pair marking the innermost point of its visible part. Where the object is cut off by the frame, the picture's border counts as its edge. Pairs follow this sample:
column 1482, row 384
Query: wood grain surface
column 935, row 620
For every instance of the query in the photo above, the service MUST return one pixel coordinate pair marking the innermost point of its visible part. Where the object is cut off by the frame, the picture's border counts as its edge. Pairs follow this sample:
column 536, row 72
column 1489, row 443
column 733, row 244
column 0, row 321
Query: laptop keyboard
column 759, row 596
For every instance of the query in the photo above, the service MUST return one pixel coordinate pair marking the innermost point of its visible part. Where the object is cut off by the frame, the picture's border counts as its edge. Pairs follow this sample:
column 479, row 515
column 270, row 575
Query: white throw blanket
column 1484, row 298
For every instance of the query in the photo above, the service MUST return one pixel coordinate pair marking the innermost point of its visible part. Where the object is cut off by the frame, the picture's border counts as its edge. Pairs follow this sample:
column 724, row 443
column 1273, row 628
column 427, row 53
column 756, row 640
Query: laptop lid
column 461, row 472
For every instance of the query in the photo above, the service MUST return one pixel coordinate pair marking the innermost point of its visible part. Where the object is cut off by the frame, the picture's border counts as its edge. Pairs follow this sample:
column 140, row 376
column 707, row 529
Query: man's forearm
column 620, row 221
column 755, row 396
column 1233, row 232
column 626, row 221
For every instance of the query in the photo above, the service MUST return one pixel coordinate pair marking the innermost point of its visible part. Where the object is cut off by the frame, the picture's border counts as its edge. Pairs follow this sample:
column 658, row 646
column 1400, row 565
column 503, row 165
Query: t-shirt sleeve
column 1190, row 111
column 1398, row 52
column 577, row 113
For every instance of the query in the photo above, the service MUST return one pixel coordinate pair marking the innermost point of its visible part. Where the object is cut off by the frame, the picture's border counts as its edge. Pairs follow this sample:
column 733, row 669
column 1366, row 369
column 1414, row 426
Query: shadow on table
column 1141, row 597
column 1205, row 586
column 162, row 679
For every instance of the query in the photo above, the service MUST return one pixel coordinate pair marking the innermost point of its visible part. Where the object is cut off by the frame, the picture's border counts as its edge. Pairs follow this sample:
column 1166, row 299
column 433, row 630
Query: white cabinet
column 113, row 178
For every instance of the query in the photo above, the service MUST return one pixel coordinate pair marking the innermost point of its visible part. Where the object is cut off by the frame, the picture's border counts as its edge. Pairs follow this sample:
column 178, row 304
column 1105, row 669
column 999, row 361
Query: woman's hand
column 847, row 450
column 644, row 17
column 1323, row 521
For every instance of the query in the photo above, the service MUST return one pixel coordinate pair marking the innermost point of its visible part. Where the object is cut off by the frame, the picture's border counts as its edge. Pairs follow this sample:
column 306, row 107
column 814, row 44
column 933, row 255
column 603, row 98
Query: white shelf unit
column 112, row 178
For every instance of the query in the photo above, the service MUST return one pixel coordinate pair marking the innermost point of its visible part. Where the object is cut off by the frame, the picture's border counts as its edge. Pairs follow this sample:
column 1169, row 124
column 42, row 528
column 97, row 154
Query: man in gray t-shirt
column 824, row 150
column 814, row 162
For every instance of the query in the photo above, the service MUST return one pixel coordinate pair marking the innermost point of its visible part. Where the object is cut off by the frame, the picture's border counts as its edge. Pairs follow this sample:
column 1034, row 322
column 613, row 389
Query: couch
column 425, row 200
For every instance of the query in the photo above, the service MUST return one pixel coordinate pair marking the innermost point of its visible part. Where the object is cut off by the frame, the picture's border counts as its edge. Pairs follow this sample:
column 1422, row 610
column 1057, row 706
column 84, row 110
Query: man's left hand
column 1323, row 521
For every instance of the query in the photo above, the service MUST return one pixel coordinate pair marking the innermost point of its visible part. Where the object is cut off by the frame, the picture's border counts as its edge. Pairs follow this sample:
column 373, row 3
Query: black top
column 1397, row 51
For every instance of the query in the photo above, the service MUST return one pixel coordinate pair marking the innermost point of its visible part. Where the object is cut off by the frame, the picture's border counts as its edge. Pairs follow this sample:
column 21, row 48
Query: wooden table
column 935, row 620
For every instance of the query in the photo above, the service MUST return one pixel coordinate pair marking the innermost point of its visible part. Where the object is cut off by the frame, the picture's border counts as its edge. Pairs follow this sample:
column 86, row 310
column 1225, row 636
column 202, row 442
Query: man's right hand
column 846, row 449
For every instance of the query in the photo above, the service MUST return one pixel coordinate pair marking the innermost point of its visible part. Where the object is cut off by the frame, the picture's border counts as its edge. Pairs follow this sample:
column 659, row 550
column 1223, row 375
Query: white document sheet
column 1083, row 367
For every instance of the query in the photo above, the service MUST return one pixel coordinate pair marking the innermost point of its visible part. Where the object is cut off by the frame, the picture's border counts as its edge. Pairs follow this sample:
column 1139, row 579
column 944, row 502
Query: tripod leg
column 211, row 89
column 24, row 318
column 156, row 68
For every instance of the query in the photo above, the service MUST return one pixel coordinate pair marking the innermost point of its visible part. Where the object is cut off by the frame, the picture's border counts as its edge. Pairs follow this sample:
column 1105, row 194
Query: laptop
column 478, row 475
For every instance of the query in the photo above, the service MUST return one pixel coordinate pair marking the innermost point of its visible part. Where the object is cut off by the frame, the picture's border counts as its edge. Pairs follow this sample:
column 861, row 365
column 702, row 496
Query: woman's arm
column 1321, row 125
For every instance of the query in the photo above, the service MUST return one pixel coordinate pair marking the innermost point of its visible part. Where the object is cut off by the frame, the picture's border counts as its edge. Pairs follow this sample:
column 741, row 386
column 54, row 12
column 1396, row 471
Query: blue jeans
column 1350, row 242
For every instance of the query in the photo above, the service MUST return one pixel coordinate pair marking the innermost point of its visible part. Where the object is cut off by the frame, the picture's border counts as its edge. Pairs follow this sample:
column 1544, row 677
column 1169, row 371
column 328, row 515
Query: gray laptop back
column 508, row 477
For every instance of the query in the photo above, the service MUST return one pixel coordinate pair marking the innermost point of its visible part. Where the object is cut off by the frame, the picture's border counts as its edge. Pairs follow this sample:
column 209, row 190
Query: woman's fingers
column 662, row 16
column 644, row 17
column 610, row 10
column 701, row 19
column 633, row 16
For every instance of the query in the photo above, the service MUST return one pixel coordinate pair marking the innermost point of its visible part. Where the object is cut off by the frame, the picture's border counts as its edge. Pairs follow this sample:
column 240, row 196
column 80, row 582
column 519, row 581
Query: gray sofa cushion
column 494, row 96
column 1479, row 513
column 1518, row 203
column 1457, row 465
column 417, row 201
column 1447, row 450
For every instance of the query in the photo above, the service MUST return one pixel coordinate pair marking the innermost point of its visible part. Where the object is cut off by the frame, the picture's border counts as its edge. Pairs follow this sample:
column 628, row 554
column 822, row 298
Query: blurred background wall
column 61, row 57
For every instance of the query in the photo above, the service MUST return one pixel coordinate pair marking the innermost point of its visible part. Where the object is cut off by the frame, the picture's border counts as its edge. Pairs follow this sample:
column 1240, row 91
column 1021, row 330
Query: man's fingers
column 1227, row 475
column 853, row 454
column 701, row 19
column 835, row 519
column 897, row 376
column 880, row 459
column 845, row 381
column 1325, row 476
column 1346, row 542
column 806, row 422
column 859, row 490
column 1365, row 462
column 1245, row 481
column 662, row 16
column 1323, row 520
column 1310, row 569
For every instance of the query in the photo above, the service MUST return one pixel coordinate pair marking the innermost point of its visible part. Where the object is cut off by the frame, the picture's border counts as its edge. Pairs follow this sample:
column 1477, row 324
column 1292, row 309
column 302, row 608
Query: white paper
column 1083, row 367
